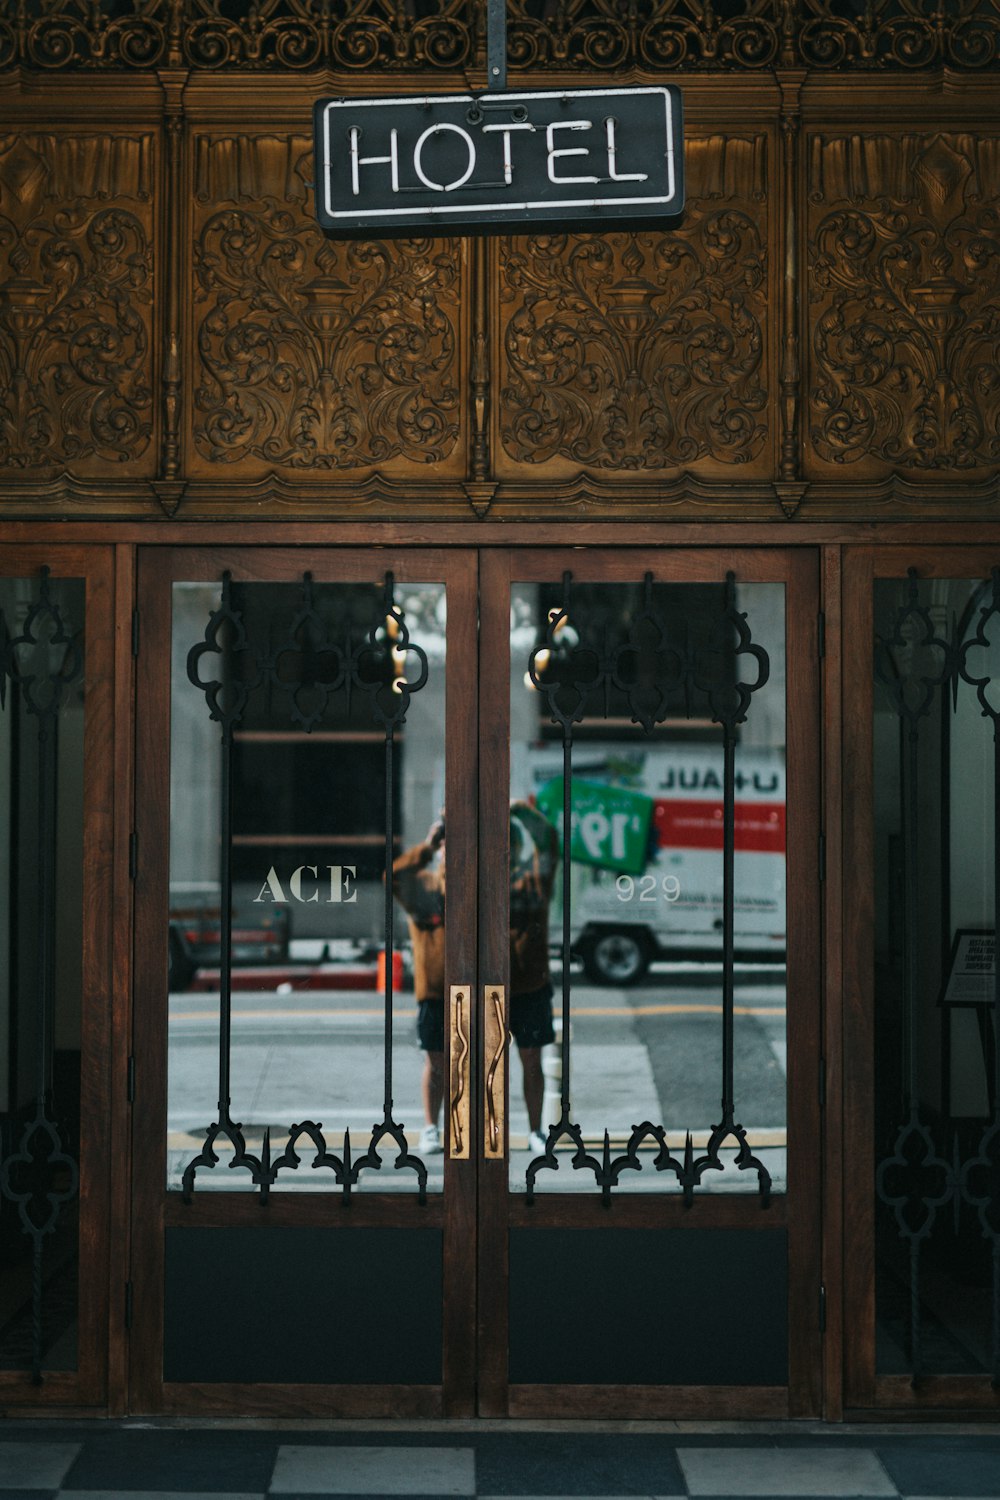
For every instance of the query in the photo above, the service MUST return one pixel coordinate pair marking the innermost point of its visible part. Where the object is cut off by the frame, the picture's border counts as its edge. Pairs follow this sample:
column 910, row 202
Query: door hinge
column 133, row 855
column 822, row 856
column 135, row 632
column 128, row 1304
column 130, row 1085
column 822, row 1308
column 821, row 634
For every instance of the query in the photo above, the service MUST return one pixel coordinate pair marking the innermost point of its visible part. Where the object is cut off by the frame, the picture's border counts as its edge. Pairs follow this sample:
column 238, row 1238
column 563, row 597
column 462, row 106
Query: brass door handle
column 460, row 1008
column 494, row 1058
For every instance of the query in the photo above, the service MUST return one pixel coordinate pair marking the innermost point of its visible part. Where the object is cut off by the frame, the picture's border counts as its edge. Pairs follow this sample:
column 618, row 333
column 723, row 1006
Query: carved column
column 169, row 485
column 789, row 487
column 479, row 488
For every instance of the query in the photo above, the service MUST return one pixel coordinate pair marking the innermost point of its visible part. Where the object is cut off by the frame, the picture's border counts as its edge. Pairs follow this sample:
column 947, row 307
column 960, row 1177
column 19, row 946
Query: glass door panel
column 327, row 751
column 310, row 988
column 655, row 713
column 55, row 763
column 929, row 1234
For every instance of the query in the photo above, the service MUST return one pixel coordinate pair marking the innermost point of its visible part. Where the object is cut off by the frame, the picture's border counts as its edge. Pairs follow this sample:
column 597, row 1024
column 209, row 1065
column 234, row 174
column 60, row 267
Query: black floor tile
column 942, row 1466
column 237, row 1463
column 577, row 1464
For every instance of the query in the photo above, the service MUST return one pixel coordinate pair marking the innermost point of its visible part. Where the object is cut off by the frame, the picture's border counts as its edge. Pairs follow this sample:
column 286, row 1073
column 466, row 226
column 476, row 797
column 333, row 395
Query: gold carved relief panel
column 903, row 306
column 646, row 353
column 311, row 358
column 76, row 305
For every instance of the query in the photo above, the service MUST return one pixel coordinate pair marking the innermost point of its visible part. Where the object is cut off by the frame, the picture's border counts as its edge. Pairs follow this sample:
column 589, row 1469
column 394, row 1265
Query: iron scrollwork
column 550, row 35
column 651, row 669
column 309, row 668
column 44, row 663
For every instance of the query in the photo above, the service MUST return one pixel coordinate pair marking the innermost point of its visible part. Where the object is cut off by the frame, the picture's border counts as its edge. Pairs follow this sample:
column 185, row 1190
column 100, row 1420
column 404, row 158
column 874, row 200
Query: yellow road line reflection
column 287, row 1014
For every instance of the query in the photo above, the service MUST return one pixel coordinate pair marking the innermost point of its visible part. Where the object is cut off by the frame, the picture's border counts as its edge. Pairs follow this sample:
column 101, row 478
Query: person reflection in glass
column 418, row 883
column 534, row 854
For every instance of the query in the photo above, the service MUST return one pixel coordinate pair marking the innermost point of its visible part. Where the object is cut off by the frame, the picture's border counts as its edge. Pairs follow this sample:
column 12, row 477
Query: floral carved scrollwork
column 318, row 356
column 603, row 34
column 905, row 330
column 637, row 351
column 75, row 298
column 354, row 35
column 549, row 35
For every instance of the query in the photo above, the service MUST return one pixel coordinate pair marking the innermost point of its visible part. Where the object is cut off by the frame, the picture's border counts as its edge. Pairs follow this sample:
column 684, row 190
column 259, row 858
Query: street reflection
column 310, row 973
column 645, row 889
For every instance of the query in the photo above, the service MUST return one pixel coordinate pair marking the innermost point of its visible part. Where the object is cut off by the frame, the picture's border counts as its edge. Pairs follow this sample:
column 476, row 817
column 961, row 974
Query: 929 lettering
column 648, row 888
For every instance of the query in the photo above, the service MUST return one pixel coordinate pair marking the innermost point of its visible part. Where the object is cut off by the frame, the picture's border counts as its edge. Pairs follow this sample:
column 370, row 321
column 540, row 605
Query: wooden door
column 654, row 1250
column 607, row 1230
column 296, row 1249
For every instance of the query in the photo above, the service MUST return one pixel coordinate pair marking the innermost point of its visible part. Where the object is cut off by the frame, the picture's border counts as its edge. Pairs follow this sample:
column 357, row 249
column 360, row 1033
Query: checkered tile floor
column 114, row 1461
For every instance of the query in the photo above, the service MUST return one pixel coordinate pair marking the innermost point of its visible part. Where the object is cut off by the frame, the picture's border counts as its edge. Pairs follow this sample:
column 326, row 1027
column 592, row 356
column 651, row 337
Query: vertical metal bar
column 496, row 44
column 911, row 814
column 996, row 1017
column 225, row 920
column 728, row 917
column 47, row 769
column 996, row 928
column 388, row 945
column 566, row 912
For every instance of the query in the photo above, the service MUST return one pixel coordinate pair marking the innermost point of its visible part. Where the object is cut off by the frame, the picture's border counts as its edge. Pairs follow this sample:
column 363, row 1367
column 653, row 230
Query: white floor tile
column 152, row 1495
column 347, row 1470
column 35, row 1466
column 784, row 1471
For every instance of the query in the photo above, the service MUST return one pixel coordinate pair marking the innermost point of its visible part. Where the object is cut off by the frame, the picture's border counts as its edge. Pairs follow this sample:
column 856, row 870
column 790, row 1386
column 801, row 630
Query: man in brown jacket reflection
column 418, row 882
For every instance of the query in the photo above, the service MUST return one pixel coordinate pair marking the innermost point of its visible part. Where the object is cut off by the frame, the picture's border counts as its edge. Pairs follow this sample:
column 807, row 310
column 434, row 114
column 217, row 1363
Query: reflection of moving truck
column 647, row 859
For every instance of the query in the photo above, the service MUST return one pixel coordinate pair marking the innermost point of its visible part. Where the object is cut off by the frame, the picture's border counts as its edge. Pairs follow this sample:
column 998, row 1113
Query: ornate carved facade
column 308, row 356
column 646, row 352
column 819, row 337
column 76, row 306
column 904, row 303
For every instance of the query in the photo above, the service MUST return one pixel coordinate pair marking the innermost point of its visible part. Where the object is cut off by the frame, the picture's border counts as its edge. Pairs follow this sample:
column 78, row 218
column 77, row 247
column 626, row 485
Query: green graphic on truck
column 610, row 826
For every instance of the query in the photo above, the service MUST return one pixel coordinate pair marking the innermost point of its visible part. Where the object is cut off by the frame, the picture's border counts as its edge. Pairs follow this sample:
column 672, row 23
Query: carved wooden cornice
column 819, row 337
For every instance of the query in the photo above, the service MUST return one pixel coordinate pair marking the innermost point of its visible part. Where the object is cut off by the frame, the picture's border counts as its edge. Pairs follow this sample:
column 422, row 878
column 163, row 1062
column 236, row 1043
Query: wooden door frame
column 501, row 1211
column 865, row 1391
column 153, row 1208
column 104, row 1017
column 846, row 672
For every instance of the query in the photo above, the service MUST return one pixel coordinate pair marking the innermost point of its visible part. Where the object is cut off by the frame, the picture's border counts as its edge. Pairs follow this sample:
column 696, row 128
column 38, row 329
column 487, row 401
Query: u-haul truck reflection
column 646, row 852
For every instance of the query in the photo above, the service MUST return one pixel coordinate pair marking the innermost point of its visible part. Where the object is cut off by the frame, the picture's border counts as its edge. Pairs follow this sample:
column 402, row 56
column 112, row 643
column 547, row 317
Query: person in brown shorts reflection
column 418, row 882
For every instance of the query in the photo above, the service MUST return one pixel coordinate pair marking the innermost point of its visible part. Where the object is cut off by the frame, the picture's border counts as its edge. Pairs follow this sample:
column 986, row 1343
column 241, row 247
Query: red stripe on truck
column 684, row 824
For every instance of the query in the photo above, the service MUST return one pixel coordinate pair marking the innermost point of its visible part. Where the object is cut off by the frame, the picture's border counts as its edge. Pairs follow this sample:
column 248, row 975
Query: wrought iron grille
column 450, row 35
column 925, row 1174
column 308, row 669
column 654, row 669
column 41, row 666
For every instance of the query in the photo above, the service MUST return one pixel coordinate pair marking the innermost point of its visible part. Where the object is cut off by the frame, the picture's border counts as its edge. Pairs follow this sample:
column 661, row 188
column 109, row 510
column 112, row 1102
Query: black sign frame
column 588, row 159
